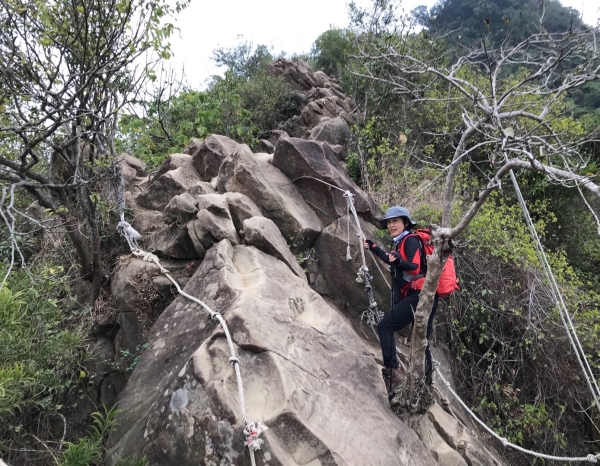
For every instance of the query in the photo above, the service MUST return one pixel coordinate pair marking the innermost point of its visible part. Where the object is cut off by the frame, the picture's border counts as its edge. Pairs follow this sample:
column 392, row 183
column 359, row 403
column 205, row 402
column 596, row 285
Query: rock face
column 306, row 377
column 211, row 153
column 176, row 176
column 275, row 195
column 262, row 233
column 307, row 162
column 333, row 276
column 246, row 220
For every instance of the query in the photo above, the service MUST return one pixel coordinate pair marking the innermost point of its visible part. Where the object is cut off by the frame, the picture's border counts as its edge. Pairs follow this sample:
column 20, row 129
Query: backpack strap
column 423, row 258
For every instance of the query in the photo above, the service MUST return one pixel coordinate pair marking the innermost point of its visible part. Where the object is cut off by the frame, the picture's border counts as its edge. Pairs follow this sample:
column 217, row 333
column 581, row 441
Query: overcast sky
column 285, row 25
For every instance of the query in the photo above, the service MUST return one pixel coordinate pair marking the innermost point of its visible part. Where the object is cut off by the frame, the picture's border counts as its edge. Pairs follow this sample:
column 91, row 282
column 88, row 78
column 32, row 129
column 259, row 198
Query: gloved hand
column 397, row 259
column 371, row 245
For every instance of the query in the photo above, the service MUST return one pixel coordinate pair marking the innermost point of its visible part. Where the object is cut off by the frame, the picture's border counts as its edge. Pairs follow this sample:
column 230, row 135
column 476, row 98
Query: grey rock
column 275, row 195
column 173, row 241
column 307, row 376
column 241, row 207
column 180, row 209
column 211, row 153
column 307, row 162
column 266, row 146
column 209, row 229
column 262, row 233
column 336, row 278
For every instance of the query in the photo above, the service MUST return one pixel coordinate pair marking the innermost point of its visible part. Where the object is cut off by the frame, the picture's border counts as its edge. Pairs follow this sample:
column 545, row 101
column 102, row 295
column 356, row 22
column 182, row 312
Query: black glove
column 398, row 260
column 371, row 244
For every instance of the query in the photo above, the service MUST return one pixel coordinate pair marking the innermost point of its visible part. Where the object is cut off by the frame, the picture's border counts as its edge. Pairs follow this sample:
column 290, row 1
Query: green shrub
column 40, row 351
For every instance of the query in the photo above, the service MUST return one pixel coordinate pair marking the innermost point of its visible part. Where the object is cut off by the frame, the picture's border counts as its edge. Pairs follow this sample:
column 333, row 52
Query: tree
column 510, row 20
column 66, row 70
column 513, row 116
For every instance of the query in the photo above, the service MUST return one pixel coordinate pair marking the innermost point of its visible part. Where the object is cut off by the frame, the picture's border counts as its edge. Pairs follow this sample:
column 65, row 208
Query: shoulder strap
column 423, row 264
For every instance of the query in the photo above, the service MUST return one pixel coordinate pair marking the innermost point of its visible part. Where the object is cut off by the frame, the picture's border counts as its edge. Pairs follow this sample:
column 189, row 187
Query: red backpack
column 448, row 283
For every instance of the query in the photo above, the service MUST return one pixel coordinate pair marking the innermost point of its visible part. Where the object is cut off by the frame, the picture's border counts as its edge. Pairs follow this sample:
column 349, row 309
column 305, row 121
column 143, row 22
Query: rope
column 557, row 295
column 252, row 429
column 372, row 315
column 589, row 458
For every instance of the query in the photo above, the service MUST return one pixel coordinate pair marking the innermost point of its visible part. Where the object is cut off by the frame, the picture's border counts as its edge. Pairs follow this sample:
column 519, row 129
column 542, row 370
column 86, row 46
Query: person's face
column 395, row 225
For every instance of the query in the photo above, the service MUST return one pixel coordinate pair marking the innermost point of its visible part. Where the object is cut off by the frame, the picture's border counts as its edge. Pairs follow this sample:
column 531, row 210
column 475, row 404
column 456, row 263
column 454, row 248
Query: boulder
column 275, row 195
column 460, row 438
column 128, row 172
column 266, row 158
column 214, row 203
column 193, row 146
column 173, row 241
column 334, row 131
column 241, row 207
column 262, row 233
column 135, row 163
column 204, row 187
column 266, row 146
column 303, row 161
column 442, row 452
column 306, row 376
column 333, row 276
column 145, row 221
column 211, row 153
column 208, row 229
column 180, row 209
column 169, row 182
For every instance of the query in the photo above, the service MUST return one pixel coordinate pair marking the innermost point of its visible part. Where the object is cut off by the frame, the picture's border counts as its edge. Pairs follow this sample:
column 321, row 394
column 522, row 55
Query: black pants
column 398, row 318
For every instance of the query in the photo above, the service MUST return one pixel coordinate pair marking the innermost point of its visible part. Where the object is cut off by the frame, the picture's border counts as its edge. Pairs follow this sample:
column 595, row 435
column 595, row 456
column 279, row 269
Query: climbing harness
column 252, row 429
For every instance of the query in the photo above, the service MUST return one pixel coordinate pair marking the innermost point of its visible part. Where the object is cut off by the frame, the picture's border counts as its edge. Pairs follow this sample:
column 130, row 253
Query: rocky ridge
column 233, row 226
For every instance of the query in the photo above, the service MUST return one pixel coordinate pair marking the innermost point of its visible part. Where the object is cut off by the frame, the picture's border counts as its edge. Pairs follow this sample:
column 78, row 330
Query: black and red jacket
column 408, row 273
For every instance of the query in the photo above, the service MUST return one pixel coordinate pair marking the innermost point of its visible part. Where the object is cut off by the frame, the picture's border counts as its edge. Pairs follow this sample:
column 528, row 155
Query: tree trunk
column 414, row 395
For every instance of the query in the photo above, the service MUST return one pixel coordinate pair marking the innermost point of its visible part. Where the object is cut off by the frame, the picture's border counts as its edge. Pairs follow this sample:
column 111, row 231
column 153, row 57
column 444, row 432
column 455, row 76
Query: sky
column 285, row 25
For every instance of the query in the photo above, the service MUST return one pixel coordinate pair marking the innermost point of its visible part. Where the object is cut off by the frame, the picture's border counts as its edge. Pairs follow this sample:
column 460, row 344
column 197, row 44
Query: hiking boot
column 396, row 375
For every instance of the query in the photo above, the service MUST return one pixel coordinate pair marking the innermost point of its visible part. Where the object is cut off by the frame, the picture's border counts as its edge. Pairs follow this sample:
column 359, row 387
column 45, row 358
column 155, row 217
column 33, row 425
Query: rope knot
column 592, row 458
column 233, row 360
column 252, row 431
column 504, row 442
column 215, row 315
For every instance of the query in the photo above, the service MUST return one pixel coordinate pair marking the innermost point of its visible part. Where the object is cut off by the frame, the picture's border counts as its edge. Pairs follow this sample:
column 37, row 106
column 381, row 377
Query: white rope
column 589, row 458
column 557, row 295
column 252, row 429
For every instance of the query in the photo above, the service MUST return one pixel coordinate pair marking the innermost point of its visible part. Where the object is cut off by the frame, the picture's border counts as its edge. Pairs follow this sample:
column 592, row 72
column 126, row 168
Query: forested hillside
column 445, row 104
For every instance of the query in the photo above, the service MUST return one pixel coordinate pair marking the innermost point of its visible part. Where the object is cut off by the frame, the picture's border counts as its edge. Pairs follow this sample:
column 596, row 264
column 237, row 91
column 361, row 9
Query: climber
column 408, row 268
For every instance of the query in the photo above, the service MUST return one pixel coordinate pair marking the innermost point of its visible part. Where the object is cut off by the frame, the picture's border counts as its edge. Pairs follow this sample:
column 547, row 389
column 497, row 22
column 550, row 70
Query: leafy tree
column 243, row 103
column 506, row 122
column 66, row 70
column 331, row 51
column 514, row 20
